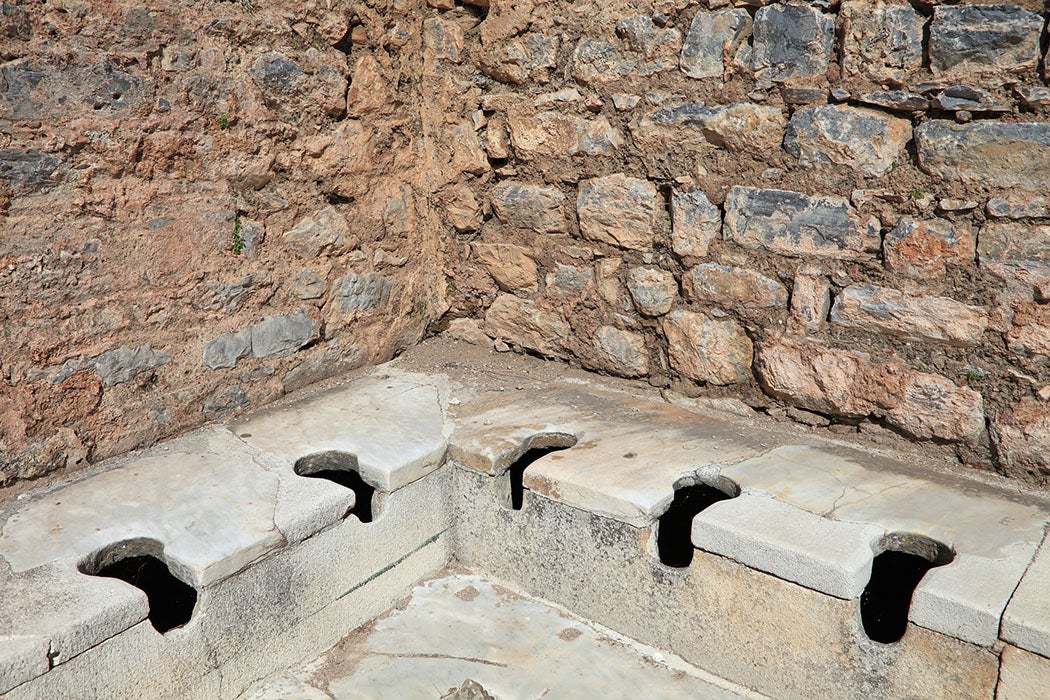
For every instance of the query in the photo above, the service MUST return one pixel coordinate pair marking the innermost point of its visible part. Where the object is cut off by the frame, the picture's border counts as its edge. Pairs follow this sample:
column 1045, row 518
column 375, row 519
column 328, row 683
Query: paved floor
column 463, row 626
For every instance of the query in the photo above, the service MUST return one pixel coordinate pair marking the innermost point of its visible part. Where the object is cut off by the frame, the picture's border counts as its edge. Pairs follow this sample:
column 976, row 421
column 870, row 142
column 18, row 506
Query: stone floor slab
column 1022, row 675
column 200, row 496
column 392, row 425
column 826, row 555
column 464, row 626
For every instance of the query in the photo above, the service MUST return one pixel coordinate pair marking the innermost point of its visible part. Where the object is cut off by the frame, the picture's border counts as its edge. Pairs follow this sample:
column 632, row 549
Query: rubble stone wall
column 834, row 211
column 203, row 204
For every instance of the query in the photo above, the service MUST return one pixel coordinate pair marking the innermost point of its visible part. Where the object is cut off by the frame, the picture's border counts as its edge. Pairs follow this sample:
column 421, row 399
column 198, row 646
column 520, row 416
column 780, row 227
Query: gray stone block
column 695, row 223
column 863, row 139
column 792, row 40
column 280, row 336
column 881, row 41
column 363, row 293
column 27, row 171
column 228, row 349
column 791, row 223
column 125, row 363
column 535, row 207
column 713, row 37
column 996, row 154
column 968, row 38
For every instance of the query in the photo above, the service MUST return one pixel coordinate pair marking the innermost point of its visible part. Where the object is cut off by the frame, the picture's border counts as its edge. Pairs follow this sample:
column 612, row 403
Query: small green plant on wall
column 224, row 122
column 238, row 236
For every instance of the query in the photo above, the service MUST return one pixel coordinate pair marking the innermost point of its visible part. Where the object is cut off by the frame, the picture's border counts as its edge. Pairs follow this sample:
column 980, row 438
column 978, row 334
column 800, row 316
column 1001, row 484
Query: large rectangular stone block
column 795, row 224
column 997, row 154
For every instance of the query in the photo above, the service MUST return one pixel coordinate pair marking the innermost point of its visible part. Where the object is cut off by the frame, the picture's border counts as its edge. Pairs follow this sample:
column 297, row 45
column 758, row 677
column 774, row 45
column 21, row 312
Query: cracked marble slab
column 393, row 426
column 628, row 456
column 52, row 613
column 201, row 496
column 994, row 532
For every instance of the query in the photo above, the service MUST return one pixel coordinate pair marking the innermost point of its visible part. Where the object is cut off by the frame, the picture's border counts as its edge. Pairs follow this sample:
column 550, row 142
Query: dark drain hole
column 536, row 447
column 674, row 533
column 895, row 573
column 171, row 601
column 340, row 468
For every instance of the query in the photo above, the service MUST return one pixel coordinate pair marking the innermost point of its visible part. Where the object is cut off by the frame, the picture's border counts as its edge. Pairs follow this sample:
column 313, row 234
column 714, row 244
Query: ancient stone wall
column 199, row 211
column 836, row 212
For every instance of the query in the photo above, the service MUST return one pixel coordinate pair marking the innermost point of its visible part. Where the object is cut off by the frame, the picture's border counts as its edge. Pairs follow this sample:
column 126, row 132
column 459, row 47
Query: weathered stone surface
column 1030, row 334
column 595, row 62
column 733, row 287
column 1033, row 96
column 27, row 171
column 653, row 290
column 741, row 128
column 707, row 350
column 1022, row 675
column 745, row 127
column 863, row 139
column 792, row 41
column 924, row 249
column 769, row 535
column 932, row 406
column 713, row 37
column 695, row 223
column 228, row 349
column 882, row 41
column 843, row 382
column 619, row 210
column 443, row 39
column 1026, row 621
column 810, row 299
column 890, row 311
column 125, row 363
column 568, row 280
column 511, row 266
column 896, row 100
column 642, row 36
column 794, row 224
column 309, row 285
column 621, row 352
column 957, row 98
column 556, row 134
column 536, row 207
column 362, row 293
column 520, row 60
column 988, row 153
column 1014, row 244
column 1018, row 207
column 368, row 92
column 523, row 323
column 968, row 38
column 280, row 336
column 323, row 233
column 467, row 154
column 462, row 209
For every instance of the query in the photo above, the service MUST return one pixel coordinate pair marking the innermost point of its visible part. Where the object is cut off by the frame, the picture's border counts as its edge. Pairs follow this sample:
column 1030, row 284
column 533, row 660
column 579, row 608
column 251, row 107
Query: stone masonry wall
column 836, row 212
column 200, row 211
